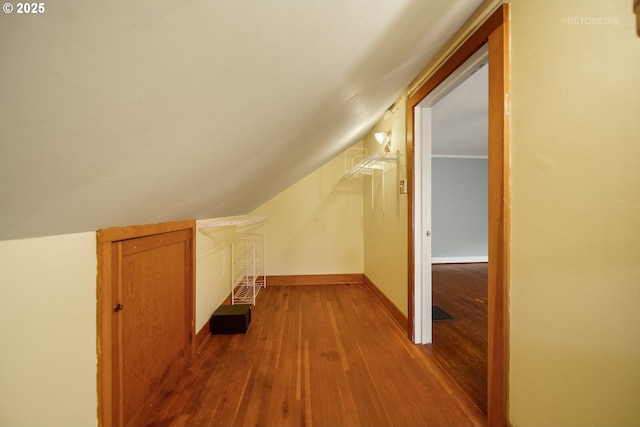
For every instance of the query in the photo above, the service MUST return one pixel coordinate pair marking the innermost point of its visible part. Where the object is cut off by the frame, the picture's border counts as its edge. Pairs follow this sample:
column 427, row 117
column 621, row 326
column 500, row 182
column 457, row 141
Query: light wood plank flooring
column 460, row 345
column 326, row 355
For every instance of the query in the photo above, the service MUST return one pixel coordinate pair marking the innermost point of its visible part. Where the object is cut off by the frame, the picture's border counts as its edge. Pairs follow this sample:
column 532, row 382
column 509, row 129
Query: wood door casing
column 149, row 270
column 495, row 32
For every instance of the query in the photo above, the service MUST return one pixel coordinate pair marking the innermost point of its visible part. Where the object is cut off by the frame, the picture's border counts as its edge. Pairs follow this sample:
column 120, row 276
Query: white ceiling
column 460, row 120
column 116, row 113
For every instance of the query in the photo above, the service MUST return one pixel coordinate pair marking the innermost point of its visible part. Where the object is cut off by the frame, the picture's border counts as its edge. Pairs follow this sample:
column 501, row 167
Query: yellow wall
column 48, row 331
column 315, row 226
column 575, row 248
column 385, row 237
column 213, row 272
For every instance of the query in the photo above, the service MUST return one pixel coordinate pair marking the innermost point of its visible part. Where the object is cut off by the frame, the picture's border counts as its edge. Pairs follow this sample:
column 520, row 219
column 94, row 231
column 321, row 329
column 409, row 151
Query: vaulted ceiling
column 118, row 112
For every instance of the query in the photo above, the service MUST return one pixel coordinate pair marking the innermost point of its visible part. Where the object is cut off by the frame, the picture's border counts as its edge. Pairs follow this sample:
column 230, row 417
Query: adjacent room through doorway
column 454, row 135
column 492, row 36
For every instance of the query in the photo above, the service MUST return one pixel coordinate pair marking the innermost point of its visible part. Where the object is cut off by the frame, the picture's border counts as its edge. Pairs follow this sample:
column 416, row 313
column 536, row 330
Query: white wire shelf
column 247, row 269
column 240, row 241
column 362, row 163
column 357, row 162
column 247, row 291
column 239, row 223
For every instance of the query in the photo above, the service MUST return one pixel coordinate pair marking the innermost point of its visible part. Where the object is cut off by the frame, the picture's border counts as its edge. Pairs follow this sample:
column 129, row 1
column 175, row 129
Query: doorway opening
column 425, row 143
column 454, row 210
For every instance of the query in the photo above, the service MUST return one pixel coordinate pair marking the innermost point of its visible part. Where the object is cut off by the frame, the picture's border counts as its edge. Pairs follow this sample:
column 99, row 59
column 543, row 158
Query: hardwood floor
column 460, row 345
column 326, row 355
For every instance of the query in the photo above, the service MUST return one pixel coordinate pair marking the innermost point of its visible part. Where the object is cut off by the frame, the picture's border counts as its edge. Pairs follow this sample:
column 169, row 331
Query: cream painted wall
column 48, row 331
column 213, row 274
column 575, row 248
column 316, row 225
column 385, row 236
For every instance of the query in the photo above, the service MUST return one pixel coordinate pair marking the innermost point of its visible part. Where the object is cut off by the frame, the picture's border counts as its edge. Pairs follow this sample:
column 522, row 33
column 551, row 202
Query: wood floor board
column 460, row 345
column 326, row 355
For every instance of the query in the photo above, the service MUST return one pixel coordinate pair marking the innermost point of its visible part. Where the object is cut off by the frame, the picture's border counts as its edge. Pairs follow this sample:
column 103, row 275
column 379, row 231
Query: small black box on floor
column 230, row 319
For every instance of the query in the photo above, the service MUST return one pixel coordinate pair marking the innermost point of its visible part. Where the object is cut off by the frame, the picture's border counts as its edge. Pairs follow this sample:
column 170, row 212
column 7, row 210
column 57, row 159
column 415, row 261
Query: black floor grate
column 439, row 314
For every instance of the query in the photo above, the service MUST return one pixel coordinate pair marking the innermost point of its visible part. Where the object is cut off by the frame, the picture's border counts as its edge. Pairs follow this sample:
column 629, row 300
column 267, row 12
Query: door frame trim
column 495, row 32
column 104, row 295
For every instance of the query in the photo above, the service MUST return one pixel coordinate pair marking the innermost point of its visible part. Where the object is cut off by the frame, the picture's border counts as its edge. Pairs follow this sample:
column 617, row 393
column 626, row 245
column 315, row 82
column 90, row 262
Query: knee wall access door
column 146, row 331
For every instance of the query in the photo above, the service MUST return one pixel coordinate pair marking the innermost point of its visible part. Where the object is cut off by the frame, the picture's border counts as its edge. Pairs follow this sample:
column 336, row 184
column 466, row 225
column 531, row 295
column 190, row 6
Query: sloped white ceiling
column 118, row 112
column 461, row 118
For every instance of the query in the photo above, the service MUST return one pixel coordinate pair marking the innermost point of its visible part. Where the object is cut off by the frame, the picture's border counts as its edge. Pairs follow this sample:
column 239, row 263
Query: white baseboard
column 459, row 260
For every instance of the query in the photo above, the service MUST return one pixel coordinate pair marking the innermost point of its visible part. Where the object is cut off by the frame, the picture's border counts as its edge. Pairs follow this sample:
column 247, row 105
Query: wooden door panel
column 148, row 269
column 153, row 318
column 153, row 325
